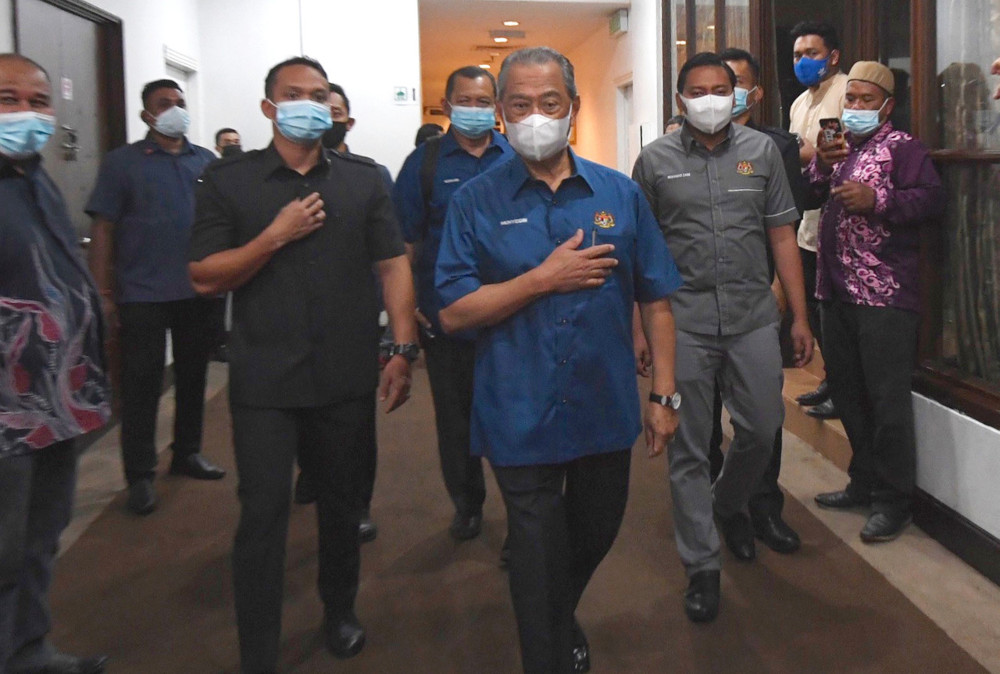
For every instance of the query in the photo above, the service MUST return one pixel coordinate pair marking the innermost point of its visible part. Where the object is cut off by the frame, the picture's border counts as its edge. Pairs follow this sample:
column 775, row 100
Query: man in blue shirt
column 426, row 183
column 546, row 255
column 143, row 209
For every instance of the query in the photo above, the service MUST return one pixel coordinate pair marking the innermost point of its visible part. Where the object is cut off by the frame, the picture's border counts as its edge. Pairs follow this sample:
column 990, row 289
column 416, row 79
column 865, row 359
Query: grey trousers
column 748, row 367
column 36, row 503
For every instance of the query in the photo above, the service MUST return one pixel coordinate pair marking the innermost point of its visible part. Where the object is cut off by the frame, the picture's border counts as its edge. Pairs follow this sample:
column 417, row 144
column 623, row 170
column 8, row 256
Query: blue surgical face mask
column 740, row 104
column 302, row 121
column 811, row 72
column 173, row 122
column 473, row 122
column 24, row 134
column 862, row 122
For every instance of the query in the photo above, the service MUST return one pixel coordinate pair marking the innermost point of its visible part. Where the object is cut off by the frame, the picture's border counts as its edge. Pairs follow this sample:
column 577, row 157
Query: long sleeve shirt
column 871, row 259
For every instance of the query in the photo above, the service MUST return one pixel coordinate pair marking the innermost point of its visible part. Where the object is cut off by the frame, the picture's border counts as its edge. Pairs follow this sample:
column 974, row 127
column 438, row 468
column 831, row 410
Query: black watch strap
column 672, row 401
column 409, row 351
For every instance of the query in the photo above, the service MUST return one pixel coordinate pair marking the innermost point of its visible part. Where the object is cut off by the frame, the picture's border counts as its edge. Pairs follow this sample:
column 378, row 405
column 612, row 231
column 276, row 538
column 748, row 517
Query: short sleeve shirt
column 714, row 209
column 556, row 380
column 305, row 327
column 422, row 223
column 148, row 194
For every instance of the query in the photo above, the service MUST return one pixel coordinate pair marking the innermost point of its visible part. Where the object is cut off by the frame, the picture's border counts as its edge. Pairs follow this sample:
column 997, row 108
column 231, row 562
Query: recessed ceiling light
column 485, row 65
column 499, row 40
column 512, row 23
column 681, row 42
column 710, row 27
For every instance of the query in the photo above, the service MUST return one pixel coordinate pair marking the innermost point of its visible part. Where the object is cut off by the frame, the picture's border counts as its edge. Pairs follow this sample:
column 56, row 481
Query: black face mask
column 231, row 150
column 334, row 136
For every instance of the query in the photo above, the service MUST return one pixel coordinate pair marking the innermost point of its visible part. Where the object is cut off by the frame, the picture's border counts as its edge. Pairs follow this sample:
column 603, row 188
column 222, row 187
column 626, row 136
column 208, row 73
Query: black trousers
column 143, row 338
column 450, row 365
column 329, row 443
column 767, row 498
column 871, row 352
column 562, row 520
column 812, row 304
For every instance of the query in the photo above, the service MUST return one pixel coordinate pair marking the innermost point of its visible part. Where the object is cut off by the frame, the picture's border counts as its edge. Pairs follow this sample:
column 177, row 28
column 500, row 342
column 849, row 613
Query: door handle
column 69, row 145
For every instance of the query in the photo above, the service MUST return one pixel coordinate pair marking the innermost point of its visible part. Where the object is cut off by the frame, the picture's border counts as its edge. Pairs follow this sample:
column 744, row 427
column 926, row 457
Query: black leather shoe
column 367, row 531
column 464, row 527
column 305, row 490
column 824, row 410
column 883, row 527
column 701, row 599
column 344, row 637
column 738, row 534
column 61, row 663
column 196, row 466
column 842, row 500
column 581, row 650
column 817, row 397
column 141, row 497
column 775, row 533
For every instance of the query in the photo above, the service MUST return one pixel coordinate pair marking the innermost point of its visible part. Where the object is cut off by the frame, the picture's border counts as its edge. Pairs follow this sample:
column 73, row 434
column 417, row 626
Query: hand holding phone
column 830, row 129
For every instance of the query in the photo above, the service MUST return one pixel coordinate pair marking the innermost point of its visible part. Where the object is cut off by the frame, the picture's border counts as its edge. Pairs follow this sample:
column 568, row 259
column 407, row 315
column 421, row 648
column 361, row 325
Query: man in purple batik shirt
column 880, row 186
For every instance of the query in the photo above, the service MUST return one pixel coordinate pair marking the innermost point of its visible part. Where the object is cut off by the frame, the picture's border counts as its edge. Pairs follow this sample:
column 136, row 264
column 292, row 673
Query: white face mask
column 537, row 137
column 173, row 122
column 709, row 113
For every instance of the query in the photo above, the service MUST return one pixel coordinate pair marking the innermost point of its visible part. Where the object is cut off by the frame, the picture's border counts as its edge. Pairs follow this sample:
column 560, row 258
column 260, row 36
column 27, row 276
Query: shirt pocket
column 743, row 195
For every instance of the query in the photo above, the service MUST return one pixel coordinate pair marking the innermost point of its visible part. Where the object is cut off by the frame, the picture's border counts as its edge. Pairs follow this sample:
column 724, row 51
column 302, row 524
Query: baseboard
column 973, row 545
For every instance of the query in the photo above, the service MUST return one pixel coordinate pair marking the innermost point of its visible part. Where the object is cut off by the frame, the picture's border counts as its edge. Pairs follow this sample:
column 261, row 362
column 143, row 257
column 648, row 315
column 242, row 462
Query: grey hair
column 537, row 56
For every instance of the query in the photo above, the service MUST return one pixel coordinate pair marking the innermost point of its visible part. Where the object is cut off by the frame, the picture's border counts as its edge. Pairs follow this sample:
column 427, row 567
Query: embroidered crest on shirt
column 604, row 220
column 744, row 168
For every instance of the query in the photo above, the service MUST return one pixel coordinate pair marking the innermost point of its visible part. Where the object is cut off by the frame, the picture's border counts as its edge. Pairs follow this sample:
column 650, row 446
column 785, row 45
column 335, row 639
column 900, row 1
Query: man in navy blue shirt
column 546, row 255
column 143, row 209
column 470, row 147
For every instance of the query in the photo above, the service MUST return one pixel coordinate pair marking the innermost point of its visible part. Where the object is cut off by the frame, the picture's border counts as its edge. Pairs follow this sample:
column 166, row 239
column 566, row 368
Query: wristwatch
column 409, row 351
column 673, row 402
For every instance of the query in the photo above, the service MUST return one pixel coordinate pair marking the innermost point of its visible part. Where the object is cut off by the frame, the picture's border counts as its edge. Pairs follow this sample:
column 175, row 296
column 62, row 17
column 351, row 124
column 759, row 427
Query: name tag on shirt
column 515, row 221
column 679, row 175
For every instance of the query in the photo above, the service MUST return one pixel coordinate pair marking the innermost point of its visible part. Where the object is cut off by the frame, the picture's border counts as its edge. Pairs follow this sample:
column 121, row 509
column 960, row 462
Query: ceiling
column 456, row 33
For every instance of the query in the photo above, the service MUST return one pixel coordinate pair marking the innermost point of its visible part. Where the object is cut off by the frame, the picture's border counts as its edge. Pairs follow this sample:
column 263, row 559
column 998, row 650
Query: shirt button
column 563, row 401
column 562, row 362
column 563, row 321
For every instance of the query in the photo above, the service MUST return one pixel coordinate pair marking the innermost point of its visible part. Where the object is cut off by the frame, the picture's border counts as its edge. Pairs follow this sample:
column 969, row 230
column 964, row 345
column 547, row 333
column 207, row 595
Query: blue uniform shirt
column 148, row 194
column 423, row 225
column 555, row 381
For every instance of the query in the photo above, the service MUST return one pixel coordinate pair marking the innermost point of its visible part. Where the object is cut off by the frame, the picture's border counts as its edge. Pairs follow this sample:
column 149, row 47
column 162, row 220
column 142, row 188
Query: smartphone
column 831, row 128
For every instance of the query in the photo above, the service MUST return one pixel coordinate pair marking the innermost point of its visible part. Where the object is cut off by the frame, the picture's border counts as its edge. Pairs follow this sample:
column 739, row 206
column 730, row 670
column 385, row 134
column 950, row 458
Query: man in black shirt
column 294, row 232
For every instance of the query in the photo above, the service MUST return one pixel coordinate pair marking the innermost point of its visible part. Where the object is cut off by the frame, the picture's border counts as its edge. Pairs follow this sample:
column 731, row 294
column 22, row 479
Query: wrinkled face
column 533, row 88
column 812, row 46
column 161, row 100
column 228, row 138
column 470, row 92
column 24, row 87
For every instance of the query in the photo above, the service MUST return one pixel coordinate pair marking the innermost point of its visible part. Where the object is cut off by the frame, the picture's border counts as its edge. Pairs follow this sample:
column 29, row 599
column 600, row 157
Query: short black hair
column 821, row 28
column 426, row 131
column 471, row 73
column 337, row 89
column 148, row 90
column 222, row 131
column 736, row 54
column 705, row 58
column 676, row 119
column 24, row 59
column 272, row 74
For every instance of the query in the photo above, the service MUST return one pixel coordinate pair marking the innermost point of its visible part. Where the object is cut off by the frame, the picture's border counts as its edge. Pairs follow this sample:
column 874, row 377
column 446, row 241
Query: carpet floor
column 155, row 593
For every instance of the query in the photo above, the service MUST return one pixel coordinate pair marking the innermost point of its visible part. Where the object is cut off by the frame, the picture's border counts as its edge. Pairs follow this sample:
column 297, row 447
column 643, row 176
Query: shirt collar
column 824, row 86
column 876, row 137
column 689, row 141
column 449, row 145
column 272, row 161
column 150, row 146
column 520, row 177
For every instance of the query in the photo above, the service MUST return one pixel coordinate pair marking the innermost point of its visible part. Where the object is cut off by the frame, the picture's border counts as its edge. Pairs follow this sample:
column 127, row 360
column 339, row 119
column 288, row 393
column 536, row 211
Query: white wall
column 958, row 462
column 235, row 42
column 603, row 63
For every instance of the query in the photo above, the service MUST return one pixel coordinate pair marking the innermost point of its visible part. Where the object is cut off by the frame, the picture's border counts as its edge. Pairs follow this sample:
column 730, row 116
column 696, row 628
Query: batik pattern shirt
column 871, row 259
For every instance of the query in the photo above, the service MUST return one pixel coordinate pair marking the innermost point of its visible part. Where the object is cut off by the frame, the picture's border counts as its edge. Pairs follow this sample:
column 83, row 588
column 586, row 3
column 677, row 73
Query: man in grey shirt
column 721, row 196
